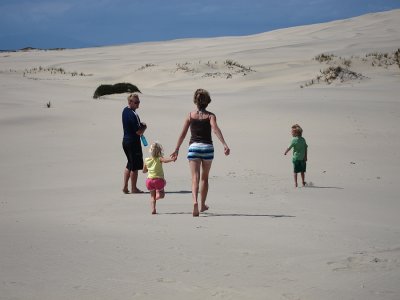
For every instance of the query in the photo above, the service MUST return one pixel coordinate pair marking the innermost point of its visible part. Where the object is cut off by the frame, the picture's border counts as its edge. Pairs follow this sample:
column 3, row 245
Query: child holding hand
column 155, row 182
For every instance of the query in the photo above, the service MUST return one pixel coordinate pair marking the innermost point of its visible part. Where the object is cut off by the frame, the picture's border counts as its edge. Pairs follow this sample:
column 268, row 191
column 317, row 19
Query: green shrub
column 118, row 88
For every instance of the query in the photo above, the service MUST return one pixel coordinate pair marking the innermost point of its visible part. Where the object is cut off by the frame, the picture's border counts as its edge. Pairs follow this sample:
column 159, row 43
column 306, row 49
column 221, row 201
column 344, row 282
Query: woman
column 201, row 150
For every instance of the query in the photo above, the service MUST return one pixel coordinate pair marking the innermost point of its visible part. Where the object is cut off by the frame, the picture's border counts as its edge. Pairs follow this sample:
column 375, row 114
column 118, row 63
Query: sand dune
column 68, row 232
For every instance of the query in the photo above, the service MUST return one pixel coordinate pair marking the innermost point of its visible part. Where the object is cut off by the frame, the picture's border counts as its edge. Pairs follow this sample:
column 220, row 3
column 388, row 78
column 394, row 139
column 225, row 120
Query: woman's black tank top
column 200, row 131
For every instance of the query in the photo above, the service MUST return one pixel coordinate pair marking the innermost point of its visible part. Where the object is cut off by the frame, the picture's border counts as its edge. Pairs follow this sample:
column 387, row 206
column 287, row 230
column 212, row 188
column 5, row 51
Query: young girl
column 299, row 158
column 155, row 182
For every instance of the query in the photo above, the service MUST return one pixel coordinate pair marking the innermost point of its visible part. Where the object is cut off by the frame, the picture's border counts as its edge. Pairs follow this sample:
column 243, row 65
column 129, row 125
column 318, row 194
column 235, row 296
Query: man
column 133, row 129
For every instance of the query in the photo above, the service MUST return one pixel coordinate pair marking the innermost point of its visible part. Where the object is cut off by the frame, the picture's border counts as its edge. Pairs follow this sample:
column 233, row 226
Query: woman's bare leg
column 195, row 171
column 205, row 171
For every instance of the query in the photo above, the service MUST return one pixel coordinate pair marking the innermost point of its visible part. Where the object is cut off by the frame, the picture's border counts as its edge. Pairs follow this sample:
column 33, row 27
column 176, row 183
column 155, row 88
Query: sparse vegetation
column 52, row 71
column 334, row 73
column 212, row 65
column 324, row 57
column 346, row 62
column 239, row 67
column 184, row 67
column 146, row 66
column 48, row 104
column 37, row 73
column 397, row 57
column 339, row 73
column 381, row 59
column 218, row 75
column 338, row 69
column 332, row 59
column 227, row 69
column 118, row 88
column 211, row 68
column 27, row 49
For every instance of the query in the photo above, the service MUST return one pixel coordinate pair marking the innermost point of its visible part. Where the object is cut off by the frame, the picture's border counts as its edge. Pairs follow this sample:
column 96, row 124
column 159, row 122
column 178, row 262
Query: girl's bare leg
column 206, row 166
column 195, row 171
column 160, row 194
column 153, row 202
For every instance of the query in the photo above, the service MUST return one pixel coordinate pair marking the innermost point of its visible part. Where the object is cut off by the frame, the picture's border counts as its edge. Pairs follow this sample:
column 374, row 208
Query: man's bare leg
column 134, row 178
column 126, row 179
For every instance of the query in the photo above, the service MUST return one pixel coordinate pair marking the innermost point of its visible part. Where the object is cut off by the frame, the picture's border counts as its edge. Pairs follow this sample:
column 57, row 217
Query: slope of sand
column 68, row 232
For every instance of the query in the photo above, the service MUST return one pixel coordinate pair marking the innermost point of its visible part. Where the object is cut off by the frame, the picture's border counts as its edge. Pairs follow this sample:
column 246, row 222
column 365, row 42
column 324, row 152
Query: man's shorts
column 155, row 184
column 133, row 152
column 299, row 166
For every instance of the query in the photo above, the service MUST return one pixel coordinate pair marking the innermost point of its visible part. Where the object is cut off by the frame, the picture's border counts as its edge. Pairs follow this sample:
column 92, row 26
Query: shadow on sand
column 323, row 187
column 208, row 214
column 178, row 192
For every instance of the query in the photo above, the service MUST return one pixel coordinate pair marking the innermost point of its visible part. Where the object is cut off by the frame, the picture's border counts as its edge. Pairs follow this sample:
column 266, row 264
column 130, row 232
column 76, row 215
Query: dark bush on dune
column 118, row 88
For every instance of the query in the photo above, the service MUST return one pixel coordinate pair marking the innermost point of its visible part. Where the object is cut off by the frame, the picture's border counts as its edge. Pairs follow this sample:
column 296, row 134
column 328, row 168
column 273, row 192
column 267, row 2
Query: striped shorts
column 200, row 151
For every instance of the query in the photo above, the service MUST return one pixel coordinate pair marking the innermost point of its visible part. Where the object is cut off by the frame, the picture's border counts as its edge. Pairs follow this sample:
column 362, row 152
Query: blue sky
column 87, row 23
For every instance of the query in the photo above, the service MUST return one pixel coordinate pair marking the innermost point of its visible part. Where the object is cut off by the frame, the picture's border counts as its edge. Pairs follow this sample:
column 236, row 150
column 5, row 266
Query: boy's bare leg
column 295, row 180
column 153, row 202
column 195, row 171
column 303, row 178
column 206, row 166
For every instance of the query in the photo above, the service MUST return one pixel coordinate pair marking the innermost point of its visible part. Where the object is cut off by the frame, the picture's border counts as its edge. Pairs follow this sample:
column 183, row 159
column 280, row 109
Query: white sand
column 68, row 232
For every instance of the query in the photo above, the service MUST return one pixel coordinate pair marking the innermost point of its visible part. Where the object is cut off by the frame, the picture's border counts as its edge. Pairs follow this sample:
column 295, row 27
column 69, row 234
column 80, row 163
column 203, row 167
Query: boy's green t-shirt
column 299, row 146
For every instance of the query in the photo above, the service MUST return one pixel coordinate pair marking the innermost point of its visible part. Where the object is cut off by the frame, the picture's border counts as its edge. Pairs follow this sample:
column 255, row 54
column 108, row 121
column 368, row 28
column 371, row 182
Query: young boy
column 299, row 158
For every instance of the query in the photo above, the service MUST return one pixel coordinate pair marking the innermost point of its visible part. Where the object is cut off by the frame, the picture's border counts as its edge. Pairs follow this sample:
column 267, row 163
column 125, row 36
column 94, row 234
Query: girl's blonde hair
column 156, row 150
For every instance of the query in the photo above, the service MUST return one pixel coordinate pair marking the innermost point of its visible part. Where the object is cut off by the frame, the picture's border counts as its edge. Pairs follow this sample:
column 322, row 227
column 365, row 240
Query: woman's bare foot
column 137, row 191
column 153, row 207
column 196, row 210
column 203, row 207
column 125, row 190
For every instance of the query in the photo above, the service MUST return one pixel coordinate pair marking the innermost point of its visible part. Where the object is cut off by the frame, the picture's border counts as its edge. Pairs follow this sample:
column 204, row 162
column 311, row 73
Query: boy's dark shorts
column 299, row 166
